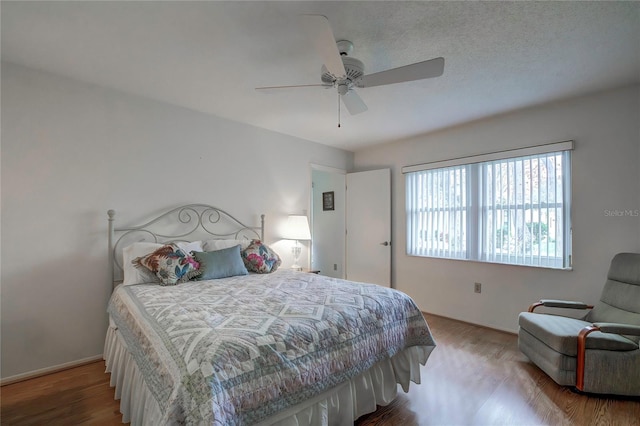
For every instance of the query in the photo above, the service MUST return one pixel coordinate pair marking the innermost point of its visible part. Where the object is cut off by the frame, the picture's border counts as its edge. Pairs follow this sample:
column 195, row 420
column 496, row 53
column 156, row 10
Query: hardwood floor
column 78, row 396
column 475, row 376
column 478, row 376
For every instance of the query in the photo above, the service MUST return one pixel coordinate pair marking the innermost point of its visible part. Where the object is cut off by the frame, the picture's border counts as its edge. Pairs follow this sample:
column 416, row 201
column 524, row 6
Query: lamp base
column 296, row 250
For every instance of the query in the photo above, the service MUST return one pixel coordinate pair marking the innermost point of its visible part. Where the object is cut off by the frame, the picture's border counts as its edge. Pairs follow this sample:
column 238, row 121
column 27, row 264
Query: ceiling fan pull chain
column 338, row 110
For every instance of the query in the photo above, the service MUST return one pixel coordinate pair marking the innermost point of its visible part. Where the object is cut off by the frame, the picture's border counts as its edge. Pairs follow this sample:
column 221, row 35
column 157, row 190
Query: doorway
column 328, row 220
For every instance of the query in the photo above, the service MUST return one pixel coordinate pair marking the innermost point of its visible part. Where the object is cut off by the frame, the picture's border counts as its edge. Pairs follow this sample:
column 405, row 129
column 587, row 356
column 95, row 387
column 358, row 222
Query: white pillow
column 133, row 275
column 189, row 247
column 213, row 245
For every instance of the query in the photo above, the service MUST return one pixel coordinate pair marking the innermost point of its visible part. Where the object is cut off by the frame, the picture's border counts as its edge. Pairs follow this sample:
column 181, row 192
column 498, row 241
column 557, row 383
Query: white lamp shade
column 297, row 228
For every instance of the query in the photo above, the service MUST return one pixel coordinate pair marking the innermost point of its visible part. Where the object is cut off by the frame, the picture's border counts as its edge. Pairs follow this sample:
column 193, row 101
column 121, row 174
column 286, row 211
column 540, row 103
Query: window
column 437, row 212
column 510, row 207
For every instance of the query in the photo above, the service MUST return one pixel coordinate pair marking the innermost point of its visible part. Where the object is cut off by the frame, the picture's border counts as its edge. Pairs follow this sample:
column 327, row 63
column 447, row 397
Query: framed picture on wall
column 327, row 201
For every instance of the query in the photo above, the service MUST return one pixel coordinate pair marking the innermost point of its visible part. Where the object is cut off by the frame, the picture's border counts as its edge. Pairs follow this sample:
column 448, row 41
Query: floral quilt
column 237, row 350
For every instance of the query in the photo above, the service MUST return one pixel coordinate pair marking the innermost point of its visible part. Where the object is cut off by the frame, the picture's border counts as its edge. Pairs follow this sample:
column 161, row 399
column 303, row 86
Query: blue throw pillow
column 220, row 263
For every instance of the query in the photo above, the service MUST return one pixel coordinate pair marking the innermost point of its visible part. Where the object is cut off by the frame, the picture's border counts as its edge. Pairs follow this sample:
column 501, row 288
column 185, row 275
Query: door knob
column 386, row 243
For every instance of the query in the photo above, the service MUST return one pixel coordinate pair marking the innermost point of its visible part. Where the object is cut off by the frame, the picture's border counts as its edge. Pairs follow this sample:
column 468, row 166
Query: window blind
column 508, row 208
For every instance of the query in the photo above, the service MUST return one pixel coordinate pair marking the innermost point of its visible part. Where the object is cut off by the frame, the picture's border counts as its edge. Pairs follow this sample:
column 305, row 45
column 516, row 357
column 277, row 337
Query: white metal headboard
column 185, row 223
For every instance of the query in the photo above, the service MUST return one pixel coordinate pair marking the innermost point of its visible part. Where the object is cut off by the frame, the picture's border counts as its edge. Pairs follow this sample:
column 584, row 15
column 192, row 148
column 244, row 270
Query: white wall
column 70, row 152
column 606, row 176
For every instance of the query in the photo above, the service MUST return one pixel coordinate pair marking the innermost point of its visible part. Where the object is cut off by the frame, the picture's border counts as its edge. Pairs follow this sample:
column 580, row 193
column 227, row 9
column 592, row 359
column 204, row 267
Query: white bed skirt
column 338, row 406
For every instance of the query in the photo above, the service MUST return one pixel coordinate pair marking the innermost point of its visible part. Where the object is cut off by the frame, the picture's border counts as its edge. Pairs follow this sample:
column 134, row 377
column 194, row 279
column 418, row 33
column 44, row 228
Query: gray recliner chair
column 598, row 353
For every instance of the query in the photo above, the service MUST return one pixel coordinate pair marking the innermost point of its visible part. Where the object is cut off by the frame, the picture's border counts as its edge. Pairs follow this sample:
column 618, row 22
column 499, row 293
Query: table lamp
column 297, row 229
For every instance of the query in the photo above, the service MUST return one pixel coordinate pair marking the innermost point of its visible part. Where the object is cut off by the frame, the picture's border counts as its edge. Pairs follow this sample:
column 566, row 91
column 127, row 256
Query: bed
column 284, row 347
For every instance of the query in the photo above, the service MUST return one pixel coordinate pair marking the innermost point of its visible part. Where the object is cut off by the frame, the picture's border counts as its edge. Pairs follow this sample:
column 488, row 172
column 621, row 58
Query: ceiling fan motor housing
column 353, row 67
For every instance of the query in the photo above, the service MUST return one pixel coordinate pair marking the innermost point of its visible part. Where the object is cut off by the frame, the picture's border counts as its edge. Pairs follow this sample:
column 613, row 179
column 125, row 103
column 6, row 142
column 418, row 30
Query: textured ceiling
column 209, row 56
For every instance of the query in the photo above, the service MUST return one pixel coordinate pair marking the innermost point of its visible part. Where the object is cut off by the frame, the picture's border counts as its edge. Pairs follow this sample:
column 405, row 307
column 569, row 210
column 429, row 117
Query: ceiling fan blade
column 280, row 89
column 354, row 102
column 319, row 28
column 418, row 71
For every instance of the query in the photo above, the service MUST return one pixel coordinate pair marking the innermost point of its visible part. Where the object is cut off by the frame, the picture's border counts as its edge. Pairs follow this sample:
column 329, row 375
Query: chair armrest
column 609, row 327
column 582, row 347
column 552, row 303
column 604, row 327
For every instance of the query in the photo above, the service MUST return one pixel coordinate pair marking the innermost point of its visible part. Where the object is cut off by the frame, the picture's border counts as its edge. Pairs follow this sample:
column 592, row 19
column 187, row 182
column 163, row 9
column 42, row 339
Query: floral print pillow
column 170, row 264
column 260, row 258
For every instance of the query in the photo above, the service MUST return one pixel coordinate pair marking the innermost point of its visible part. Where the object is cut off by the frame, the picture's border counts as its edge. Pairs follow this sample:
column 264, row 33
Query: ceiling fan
column 345, row 73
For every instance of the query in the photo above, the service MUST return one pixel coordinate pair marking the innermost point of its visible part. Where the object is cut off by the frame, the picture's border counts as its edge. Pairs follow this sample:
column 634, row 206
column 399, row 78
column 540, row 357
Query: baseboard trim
column 49, row 370
column 474, row 324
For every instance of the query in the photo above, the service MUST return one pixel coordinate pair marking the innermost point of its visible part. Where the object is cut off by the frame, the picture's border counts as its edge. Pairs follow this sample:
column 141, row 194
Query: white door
column 368, row 223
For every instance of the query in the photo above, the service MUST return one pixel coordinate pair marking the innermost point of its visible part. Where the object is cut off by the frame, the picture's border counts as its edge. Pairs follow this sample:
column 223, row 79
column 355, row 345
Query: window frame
column 477, row 227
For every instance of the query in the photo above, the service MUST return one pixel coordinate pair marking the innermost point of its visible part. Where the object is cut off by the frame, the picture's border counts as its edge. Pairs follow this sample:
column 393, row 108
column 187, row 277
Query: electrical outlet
column 335, row 266
column 477, row 287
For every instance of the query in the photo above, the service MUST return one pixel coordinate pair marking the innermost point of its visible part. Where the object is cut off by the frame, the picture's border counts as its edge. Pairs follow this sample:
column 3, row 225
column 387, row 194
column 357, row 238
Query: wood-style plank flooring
column 475, row 376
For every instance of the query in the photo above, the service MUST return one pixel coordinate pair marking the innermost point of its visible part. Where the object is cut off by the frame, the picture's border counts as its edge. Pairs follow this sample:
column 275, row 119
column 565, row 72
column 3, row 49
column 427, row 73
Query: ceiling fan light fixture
column 343, row 88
